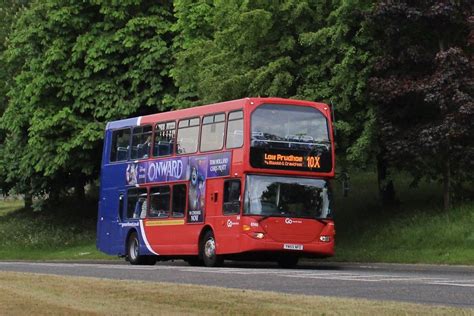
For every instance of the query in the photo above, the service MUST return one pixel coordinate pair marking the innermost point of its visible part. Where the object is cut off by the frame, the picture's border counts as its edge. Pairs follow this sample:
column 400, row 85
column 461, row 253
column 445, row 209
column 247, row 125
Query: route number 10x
column 313, row 161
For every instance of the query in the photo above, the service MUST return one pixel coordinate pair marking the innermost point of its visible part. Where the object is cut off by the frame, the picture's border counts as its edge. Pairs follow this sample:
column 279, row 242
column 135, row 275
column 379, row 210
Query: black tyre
column 208, row 251
column 133, row 252
column 288, row 261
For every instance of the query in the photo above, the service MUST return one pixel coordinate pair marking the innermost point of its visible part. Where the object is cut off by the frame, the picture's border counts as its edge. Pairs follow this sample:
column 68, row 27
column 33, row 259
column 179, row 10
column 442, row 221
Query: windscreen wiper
column 320, row 220
column 264, row 217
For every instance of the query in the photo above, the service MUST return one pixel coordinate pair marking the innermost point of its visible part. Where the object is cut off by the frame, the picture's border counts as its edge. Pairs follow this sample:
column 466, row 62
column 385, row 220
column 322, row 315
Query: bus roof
column 202, row 110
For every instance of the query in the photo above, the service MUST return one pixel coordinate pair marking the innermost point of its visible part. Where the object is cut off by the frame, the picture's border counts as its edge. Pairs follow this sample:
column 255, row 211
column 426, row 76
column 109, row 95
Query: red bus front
column 285, row 201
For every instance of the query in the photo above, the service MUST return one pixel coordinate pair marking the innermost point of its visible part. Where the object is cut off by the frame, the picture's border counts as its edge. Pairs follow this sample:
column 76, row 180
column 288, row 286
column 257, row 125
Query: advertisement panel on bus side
column 195, row 169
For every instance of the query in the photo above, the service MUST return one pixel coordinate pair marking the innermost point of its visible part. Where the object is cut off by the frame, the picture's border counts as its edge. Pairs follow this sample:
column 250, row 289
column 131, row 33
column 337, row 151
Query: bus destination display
column 290, row 160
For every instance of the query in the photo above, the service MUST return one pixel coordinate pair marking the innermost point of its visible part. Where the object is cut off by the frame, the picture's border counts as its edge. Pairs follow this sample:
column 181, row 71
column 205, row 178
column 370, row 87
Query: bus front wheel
column 133, row 252
column 208, row 251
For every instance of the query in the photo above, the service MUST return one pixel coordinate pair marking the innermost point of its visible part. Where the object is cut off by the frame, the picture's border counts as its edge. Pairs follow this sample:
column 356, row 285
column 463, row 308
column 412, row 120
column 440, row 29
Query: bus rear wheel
column 133, row 252
column 288, row 261
column 208, row 251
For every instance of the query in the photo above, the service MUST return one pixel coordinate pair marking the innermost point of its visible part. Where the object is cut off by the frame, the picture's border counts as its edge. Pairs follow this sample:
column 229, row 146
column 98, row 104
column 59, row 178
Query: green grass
column 59, row 234
column 416, row 230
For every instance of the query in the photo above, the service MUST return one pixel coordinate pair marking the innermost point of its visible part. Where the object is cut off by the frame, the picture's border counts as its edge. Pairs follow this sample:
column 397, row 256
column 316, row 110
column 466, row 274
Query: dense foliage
column 70, row 66
column 78, row 65
column 424, row 88
column 314, row 50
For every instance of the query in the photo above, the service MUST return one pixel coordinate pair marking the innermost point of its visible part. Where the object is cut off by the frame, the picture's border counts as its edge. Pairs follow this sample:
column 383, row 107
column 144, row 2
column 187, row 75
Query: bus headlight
column 258, row 235
column 325, row 238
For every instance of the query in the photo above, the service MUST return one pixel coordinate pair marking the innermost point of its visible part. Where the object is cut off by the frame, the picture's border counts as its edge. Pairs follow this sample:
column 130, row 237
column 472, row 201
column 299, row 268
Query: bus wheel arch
column 207, row 248
column 132, row 250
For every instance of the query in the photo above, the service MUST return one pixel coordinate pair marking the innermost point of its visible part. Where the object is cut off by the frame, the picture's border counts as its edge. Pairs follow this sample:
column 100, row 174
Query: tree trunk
column 28, row 199
column 447, row 184
column 385, row 183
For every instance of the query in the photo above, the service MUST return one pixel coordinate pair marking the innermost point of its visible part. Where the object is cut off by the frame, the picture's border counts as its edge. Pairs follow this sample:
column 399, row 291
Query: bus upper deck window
column 188, row 136
column 120, row 145
column 235, row 130
column 164, row 139
column 141, row 142
column 213, row 132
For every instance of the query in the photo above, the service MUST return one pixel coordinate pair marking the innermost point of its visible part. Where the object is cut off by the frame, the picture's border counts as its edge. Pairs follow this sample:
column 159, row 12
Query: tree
column 312, row 50
column 78, row 65
column 9, row 11
column 248, row 49
column 423, row 87
column 193, row 32
column 335, row 68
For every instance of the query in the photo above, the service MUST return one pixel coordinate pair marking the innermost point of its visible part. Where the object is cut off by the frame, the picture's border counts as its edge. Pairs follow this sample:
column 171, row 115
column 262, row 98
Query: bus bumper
column 309, row 249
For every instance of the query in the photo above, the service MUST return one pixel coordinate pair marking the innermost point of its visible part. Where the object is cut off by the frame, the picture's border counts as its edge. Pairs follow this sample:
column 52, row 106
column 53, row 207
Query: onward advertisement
column 195, row 169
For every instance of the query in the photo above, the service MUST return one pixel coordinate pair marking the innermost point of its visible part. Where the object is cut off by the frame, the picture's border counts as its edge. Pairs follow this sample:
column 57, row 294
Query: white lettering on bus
column 218, row 168
column 162, row 169
column 219, row 161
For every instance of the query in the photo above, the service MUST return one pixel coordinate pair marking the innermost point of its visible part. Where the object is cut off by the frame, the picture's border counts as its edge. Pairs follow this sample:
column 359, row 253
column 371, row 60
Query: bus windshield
column 288, row 126
column 287, row 197
column 290, row 137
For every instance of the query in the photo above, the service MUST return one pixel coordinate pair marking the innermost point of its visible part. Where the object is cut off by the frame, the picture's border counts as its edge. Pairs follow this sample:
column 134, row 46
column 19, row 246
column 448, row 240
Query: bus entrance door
column 227, row 210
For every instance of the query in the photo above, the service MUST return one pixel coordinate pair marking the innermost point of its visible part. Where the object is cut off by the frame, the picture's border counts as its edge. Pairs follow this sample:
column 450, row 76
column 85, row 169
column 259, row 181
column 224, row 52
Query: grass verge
column 416, row 230
column 58, row 234
column 47, row 295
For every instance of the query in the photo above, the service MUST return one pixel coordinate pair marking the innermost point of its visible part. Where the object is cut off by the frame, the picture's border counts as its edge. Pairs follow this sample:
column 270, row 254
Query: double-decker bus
column 244, row 179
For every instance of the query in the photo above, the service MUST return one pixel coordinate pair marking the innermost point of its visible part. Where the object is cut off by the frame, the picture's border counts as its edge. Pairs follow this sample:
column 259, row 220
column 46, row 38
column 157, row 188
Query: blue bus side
column 112, row 184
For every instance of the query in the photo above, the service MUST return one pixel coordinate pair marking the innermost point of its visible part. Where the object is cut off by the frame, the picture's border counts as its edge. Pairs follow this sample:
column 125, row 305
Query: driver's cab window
column 232, row 193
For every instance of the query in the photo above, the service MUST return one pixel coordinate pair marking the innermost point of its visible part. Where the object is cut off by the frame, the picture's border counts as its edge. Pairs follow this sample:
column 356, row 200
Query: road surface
column 426, row 284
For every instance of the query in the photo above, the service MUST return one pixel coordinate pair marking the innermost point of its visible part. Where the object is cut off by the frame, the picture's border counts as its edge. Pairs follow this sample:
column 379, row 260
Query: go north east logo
column 290, row 221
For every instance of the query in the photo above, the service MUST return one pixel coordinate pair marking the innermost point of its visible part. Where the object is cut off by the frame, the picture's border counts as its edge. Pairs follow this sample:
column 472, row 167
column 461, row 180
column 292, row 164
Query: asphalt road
column 427, row 284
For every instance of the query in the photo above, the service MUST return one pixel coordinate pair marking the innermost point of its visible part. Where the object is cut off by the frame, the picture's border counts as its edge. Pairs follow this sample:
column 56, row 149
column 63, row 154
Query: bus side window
column 164, row 139
column 235, row 130
column 188, row 136
column 212, row 132
column 136, row 203
column 120, row 145
column 160, row 202
column 179, row 200
column 141, row 142
column 231, row 197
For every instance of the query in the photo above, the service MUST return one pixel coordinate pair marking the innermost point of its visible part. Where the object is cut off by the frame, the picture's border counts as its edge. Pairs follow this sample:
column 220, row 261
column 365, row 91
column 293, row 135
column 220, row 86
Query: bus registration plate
column 292, row 247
